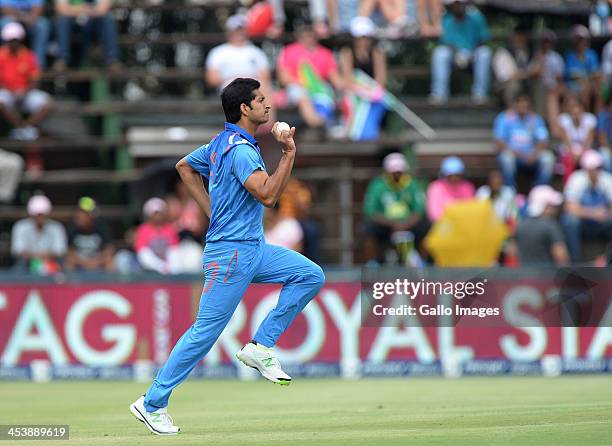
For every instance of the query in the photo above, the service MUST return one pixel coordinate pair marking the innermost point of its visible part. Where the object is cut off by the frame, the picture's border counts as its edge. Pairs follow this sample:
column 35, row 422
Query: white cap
column 39, row 205
column 13, row 31
column 153, row 205
column 235, row 22
column 591, row 160
column 395, row 162
column 362, row 27
column 542, row 196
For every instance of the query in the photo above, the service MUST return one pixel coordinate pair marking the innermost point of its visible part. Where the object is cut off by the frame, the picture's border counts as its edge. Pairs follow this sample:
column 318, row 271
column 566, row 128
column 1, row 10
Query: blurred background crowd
column 99, row 99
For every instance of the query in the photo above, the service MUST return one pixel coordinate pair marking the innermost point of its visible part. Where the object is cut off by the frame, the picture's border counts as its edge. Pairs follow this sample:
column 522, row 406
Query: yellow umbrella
column 469, row 233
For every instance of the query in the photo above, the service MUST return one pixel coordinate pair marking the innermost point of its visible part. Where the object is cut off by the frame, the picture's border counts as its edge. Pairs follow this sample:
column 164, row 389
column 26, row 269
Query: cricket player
column 236, row 253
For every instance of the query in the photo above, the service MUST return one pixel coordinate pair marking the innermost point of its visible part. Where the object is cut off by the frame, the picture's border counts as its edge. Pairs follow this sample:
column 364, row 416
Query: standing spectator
column 31, row 14
column 394, row 202
column 550, row 68
column 604, row 134
column 429, row 16
column 91, row 16
column 464, row 34
column 37, row 242
column 19, row 73
column 521, row 139
column 582, row 69
column 512, row 66
column 90, row 246
column 156, row 241
column 539, row 237
column 502, row 197
column 305, row 68
column 449, row 188
column 576, row 129
column 588, row 207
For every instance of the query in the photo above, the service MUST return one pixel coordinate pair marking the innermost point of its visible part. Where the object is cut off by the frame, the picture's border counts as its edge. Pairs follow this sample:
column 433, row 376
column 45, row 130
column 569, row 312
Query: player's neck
column 249, row 126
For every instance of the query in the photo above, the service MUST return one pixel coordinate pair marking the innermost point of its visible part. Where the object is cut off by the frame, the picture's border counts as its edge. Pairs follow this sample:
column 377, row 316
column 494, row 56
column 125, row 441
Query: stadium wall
column 110, row 328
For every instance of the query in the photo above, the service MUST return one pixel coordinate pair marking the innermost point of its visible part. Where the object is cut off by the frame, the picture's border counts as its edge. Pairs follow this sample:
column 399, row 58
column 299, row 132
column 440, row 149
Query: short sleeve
column 590, row 121
column 499, row 127
column 574, row 187
column 60, row 245
column 246, row 161
column 141, row 238
column 261, row 60
column 198, row 160
column 555, row 233
column 564, row 121
column 213, row 60
column 541, row 132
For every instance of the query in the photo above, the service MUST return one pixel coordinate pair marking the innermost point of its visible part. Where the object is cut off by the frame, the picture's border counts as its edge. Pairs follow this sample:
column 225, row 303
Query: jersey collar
column 242, row 132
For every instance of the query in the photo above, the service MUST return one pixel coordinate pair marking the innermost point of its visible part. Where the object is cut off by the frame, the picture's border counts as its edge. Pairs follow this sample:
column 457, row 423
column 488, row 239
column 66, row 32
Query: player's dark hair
column 239, row 91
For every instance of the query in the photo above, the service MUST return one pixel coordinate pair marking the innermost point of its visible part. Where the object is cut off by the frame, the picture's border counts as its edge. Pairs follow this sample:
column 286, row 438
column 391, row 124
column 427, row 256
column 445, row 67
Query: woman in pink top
column 449, row 188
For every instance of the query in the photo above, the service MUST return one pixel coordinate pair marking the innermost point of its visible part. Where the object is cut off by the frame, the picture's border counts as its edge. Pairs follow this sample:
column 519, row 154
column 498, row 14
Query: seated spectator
column 588, row 206
column 305, row 68
column 283, row 230
column 394, row 202
column 364, row 69
column 502, row 197
column 90, row 246
column 576, row 129
column 185, row 214
column 429, row 16
column 90, row 16
column 30, row 13
column 539, row 237
column 238, row 57
column 550, row 68
column 604, row 134
column 38, row 243
column 449, row 188
column 394, row 12
column 296, row 203
column 19, row 73
column 156, row 241
column 521, row 138
column 512, row 66
column 464, row 34
column 582, row 70
column 363, row 54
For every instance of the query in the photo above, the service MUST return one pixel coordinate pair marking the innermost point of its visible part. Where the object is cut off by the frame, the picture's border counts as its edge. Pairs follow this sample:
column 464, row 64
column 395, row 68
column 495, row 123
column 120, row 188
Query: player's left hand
column 285, row 138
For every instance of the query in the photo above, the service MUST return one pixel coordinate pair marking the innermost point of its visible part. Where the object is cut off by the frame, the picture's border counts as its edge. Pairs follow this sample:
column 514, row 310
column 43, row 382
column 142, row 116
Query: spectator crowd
column 552, row 138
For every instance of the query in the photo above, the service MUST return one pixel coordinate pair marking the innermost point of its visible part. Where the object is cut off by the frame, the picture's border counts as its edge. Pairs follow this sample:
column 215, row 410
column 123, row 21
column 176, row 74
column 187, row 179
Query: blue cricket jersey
column 226, row 162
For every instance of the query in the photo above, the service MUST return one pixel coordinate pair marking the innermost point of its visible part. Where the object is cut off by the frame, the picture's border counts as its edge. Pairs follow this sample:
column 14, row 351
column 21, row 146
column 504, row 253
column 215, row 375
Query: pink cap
column 395, row 162
column 153, row 205
column 39, row 205
column 13, row 31
column 591, row 160
column 542, row 196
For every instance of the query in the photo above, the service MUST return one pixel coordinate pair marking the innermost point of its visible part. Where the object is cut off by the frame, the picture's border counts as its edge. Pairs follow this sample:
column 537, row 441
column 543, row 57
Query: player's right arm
column 268, row 189
column 193, row 181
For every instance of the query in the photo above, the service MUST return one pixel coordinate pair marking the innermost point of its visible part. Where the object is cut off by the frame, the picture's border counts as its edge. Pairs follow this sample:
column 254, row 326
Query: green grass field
column 470, row 411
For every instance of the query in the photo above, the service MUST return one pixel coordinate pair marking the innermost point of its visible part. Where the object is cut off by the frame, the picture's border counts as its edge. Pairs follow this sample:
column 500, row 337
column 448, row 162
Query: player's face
column 260, row 109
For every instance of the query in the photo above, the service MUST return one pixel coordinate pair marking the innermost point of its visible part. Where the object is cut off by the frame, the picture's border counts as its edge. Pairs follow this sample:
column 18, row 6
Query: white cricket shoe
column 265, row 361
column 158, row 422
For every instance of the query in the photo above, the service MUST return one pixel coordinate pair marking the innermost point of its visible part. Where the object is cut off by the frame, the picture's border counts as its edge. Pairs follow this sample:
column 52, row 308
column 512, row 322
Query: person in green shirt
column 394, row 202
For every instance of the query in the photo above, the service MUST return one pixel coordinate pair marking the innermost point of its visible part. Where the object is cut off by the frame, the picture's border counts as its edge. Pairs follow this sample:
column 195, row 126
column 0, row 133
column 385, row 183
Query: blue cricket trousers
column 229, row 268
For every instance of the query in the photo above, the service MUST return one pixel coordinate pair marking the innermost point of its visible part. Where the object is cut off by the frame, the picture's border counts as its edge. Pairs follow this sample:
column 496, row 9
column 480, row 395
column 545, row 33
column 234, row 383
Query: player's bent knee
column 317, row 276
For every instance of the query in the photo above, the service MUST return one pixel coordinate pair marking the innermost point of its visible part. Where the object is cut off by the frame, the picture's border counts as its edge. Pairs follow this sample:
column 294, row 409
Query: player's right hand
column 285, row 138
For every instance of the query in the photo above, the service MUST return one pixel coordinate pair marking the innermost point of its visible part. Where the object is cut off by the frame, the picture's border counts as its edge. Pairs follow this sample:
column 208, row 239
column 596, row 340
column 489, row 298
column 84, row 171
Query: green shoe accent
column 268, row 362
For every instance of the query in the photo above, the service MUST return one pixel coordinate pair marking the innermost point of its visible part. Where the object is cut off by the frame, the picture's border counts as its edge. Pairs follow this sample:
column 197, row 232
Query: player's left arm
column 193, row 181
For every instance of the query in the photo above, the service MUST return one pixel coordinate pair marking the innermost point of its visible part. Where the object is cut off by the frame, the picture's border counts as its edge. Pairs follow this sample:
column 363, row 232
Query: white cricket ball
column 282, row 127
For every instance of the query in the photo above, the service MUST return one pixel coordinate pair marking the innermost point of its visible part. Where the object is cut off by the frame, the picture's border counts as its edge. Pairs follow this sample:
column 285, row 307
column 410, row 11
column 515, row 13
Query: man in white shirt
column 588, row 204
column 37, row 242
